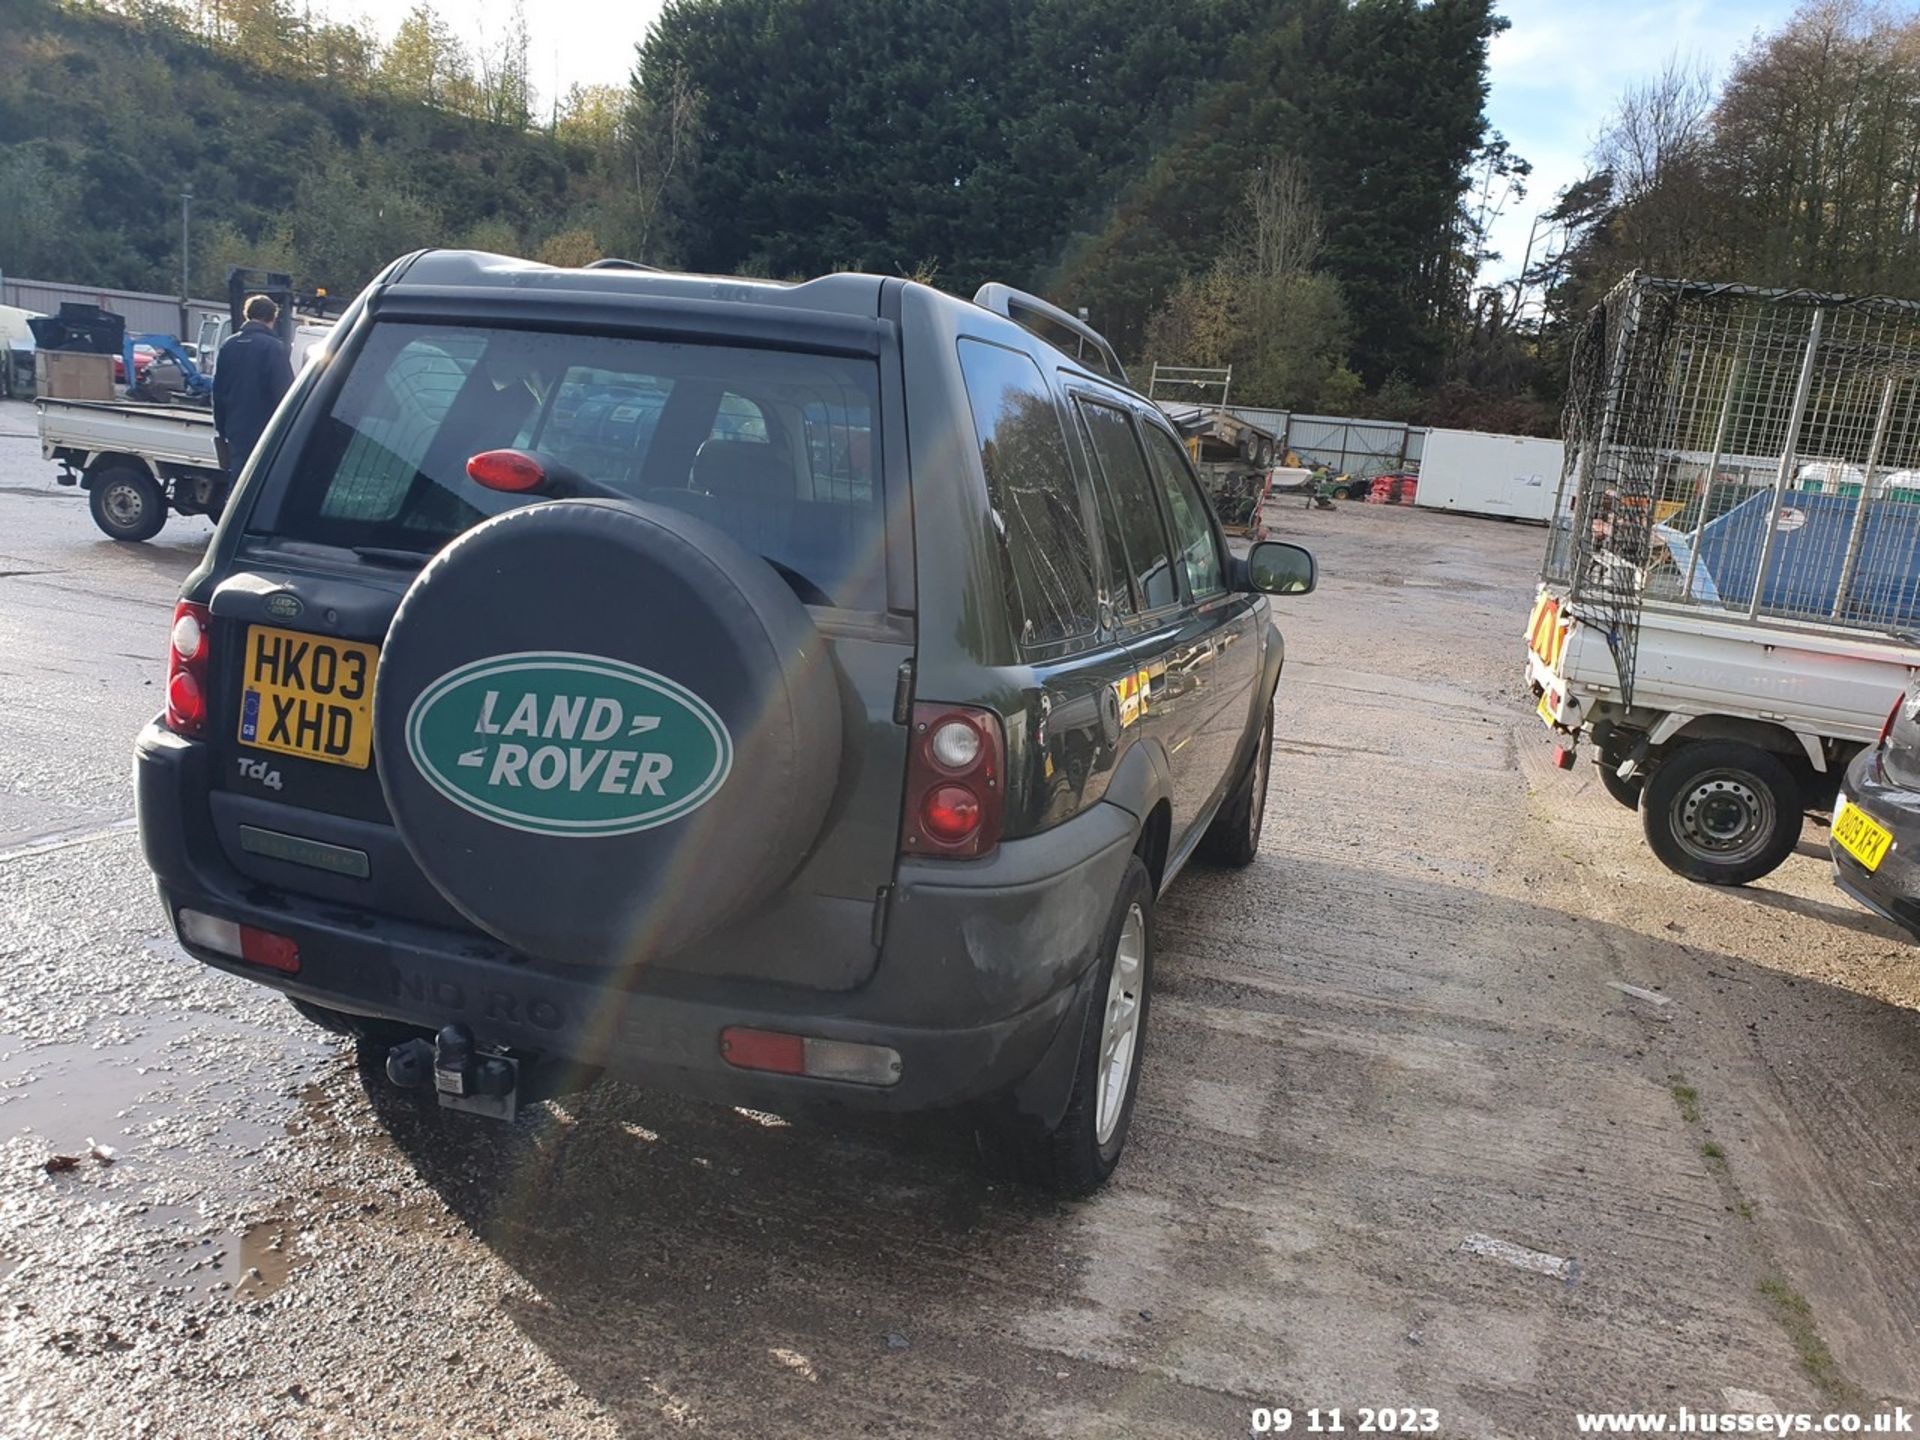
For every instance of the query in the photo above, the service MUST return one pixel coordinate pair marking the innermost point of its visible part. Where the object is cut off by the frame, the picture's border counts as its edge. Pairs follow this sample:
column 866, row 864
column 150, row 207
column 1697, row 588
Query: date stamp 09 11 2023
column 1333, row 1420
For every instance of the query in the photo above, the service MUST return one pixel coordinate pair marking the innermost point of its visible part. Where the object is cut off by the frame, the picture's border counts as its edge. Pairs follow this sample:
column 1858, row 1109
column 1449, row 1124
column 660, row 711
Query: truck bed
column 1814, row 681
column 174, row 434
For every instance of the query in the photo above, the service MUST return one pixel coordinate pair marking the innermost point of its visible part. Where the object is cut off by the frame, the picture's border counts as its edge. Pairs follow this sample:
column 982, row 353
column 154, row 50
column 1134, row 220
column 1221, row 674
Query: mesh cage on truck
column 1742, row 454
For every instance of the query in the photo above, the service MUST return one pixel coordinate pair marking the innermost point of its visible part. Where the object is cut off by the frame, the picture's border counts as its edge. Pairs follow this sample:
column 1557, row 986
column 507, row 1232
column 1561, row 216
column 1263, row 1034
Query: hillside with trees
column 1115, row 154
column 1302, row 189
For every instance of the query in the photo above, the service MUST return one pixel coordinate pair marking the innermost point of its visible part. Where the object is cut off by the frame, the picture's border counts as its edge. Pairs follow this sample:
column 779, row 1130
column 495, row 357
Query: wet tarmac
column 1410, row 1132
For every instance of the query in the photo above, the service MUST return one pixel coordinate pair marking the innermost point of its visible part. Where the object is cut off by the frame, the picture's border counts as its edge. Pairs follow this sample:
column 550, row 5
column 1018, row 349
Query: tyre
column 1233, row 839
column 729, row 702
column 1077, row 1156
column 127, row 503
column 1721, row 812
column 1627, row 792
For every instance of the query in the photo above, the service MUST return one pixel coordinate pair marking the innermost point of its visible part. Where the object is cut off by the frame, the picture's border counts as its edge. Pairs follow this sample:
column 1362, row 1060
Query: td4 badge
column 259, row 771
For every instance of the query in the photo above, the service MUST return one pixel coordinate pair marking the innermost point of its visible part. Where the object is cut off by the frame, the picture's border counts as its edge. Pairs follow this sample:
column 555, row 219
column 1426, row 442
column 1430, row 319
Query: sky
column 1556, row 71
column 1562, row 64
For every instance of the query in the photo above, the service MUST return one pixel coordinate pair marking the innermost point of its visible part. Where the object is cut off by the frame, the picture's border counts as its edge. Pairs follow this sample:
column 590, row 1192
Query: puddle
column 67, row 1093
column 267, row 1258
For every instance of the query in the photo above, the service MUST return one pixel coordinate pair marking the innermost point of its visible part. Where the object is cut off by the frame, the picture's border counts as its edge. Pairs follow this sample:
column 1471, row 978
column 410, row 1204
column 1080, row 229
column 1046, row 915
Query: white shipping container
column 1514, row 476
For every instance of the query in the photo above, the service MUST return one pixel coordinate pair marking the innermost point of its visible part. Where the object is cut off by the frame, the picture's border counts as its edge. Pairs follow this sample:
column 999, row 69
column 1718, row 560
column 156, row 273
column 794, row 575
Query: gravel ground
column 1401, row 1138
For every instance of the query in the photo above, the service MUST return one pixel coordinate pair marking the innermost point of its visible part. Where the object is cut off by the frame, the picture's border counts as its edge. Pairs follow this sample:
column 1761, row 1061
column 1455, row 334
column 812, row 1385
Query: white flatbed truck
column 1725, row 631
column 136, row 462
column 1746, row 730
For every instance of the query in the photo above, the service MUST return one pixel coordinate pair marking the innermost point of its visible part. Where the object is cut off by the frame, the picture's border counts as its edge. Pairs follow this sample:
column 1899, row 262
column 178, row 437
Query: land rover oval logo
column 567, row 744
column 284, row 606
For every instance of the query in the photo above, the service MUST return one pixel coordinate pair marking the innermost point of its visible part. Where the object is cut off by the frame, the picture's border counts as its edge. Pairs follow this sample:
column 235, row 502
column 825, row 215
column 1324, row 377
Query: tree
column 355, row 211
column 33, row 201
column 591, row 115
column 504, row 91
column 657, row 151
column 1282, row 232
column 1392, row 133
column 570, row 248
column 425, row 61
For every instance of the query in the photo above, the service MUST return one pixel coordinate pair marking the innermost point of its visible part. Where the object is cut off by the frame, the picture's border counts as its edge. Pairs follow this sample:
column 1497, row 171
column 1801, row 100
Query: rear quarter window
column 1035, row 499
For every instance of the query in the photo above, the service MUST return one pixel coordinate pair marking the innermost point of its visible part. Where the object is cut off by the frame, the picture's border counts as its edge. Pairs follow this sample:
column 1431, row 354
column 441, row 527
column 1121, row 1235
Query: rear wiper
column 387, row 555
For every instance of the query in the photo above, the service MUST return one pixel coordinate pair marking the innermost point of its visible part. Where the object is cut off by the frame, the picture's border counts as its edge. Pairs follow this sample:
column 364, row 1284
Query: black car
column 1875, row 840
column 768, row 692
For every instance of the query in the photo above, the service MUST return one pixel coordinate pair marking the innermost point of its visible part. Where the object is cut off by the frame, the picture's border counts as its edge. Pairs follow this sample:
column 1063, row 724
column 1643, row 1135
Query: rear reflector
column 1563, row 757
column 783, row 1054
column 242, row 942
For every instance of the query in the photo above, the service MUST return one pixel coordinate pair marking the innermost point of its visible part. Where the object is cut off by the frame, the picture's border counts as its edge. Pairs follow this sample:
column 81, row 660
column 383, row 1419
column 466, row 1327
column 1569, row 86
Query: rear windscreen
column 774, row 448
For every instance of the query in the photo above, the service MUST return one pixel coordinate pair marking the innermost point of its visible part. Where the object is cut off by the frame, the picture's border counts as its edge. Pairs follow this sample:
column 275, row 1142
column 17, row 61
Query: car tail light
column 954, row 796
column 242, row 942
column 781, row 1054
column 1892, row 715
column 513, row 471
column 189, row 653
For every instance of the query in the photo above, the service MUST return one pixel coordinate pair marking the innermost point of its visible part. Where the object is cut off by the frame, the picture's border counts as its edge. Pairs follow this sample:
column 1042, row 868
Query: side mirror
column 1277, row 567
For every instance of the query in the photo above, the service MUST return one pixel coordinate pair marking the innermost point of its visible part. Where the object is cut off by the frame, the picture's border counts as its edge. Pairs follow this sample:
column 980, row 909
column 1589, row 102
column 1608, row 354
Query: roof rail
column 614, row 262
column 1031, row 313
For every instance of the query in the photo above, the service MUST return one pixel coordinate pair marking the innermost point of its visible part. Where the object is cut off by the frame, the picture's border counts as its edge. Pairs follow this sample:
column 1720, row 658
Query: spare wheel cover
column 604, row 729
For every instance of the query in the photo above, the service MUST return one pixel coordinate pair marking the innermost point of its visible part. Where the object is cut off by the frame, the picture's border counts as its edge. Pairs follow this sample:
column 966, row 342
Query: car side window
column 1117, row 590
column 1035, row 498
column 1192, row 529
column 1117, row 452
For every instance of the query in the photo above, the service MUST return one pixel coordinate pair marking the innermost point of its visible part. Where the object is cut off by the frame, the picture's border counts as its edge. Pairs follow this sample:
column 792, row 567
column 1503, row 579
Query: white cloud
column 1558, row 69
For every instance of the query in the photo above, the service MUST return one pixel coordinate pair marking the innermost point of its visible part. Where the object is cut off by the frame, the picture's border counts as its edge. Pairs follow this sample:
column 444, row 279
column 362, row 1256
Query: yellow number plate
column 1862, row 837
column 309, row 696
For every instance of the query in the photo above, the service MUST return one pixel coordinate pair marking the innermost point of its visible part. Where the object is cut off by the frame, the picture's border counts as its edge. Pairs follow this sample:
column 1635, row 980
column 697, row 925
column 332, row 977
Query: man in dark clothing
column 253, row 372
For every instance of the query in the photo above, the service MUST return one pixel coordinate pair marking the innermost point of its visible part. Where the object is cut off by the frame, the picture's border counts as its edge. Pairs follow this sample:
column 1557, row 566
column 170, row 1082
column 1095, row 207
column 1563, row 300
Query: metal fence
column 145, row 311
column 1750, row 454
column 1362, row 448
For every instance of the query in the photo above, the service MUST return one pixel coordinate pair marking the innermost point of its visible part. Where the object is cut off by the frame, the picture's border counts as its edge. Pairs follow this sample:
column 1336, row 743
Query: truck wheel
column 1076, row 1156
column 1627, row 792
column 127, row 503
column 1233, row 839
column 1721, row 812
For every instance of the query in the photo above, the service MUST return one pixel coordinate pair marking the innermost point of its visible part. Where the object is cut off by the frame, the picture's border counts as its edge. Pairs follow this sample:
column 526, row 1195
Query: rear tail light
column 783, row 1054
column 241, row 942
column 955, row 792
column 189, row 653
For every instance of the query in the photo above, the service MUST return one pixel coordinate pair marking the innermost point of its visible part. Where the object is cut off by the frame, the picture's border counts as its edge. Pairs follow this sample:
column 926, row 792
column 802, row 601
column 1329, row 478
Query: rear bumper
column 983, row 980
column 1892, row 889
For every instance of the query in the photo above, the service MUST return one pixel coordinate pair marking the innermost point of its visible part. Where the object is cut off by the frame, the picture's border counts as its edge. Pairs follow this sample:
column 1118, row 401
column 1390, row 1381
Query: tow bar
column 464, row 1077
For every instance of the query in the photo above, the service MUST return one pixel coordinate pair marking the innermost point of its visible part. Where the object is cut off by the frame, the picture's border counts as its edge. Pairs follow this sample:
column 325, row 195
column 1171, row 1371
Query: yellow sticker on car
column 1133, row 692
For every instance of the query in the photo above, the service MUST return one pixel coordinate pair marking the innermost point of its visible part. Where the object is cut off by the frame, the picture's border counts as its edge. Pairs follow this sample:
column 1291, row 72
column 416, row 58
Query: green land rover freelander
column 775, row 693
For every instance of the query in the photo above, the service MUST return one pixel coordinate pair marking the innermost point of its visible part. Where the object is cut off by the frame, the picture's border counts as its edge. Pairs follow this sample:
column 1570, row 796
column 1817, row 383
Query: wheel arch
column 1142, row 785
column 1799, row 750
column 101, row 461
